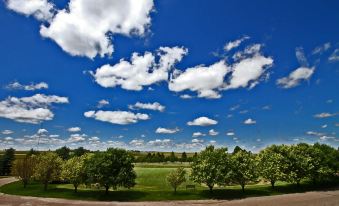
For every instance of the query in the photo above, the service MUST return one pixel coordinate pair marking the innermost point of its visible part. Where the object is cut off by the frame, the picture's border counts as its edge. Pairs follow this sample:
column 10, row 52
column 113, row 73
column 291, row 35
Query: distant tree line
column 158, row 157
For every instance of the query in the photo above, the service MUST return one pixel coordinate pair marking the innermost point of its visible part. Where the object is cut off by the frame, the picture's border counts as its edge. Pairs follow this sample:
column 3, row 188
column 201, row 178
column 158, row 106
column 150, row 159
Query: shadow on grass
column 228, row 193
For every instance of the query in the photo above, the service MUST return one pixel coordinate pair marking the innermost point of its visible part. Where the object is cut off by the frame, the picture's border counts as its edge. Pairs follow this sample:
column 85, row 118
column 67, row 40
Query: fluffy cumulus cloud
column 142, row 70
column 40, row 9
column 197, row 141
column 31, row 87
column 162, row 143
column 74, row 129
column 248, row 72
column 296, row 77
column 198, row 134
column 234, row 44
column 205, row 80
column 230, row 133
column 150, row 106
column 116, row 117
column 137, row 142
column 34, row 109
column 161, row 130
column 250, row 121
column 86, row 27
column 202, row 121
column 212, row 132
column 74, row 138
column 322, row 48
column 248, row 69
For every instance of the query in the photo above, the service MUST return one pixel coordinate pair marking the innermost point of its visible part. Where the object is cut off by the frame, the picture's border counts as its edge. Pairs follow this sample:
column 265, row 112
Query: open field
column 152, row 186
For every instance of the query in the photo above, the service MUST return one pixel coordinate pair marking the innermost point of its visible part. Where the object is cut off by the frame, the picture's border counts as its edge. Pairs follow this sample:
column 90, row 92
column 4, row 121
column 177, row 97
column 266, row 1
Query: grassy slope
column 151, row 185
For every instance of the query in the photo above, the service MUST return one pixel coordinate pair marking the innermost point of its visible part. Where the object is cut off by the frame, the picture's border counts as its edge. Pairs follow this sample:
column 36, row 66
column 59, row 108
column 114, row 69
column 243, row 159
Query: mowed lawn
column 152, row 185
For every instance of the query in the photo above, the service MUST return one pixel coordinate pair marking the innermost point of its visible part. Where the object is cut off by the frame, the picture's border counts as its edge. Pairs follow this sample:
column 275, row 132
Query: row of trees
column 160, row 157
column 112, row 168
column 295, row 163
column 6, row 161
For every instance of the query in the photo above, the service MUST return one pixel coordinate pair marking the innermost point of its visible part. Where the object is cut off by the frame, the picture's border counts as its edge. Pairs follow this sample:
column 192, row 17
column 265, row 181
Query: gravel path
column 322, row 198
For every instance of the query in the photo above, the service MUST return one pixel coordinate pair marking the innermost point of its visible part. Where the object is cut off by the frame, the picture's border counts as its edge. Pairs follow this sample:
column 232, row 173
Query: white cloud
column 150, row 106
column 230, row 133
column 42, row 131
column 212, row 132
column 137, row 142
column 30, row 87
column 250, row 121
column 334, row 56
column 77, row 138
column 86, row 27
column 197, row 141
column 322, row 48
column 295, row 77
column 160, row 143
column 141, row 71
column 161, row 130
column 324, row 126
column 74, row 129
column 40, row 9
column 34, row 109
column 213, row 142
column 325, row 138
column 186, row 96
column 315, row 133
column 248, row 71
column 324, row 115
column 300, row 54
column 116, row 117
column 102, row 103
column 7, row 132
column 202, row 121
column 204, row 80
column 234, row 44
column 198, row 134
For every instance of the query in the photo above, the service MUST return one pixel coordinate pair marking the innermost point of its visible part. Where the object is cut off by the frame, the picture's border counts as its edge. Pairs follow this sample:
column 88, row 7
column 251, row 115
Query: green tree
column 79, row 151
column 211, row 167
column 24, row 168
column 47, row 168
column 172, row 157
column 63, row 152
column 176, row 178
column 73, row 170
column 299, row 163
column 243, row 165
column 270, row 165
column 183, row 157
column 111, row 168
column 6, row 162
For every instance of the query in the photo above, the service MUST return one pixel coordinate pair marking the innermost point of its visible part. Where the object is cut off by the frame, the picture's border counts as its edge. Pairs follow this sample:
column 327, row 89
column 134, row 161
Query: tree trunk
column 75, row 188
column 272, row 183
column 25, row 183
column 45, row 185
column 175, row 190
column 106, row 192
column 298, row 183
column 211, row 188
column 243, row 187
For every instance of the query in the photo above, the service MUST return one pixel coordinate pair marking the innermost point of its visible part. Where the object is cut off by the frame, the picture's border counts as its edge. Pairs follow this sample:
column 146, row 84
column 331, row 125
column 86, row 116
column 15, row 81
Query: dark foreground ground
column 318, row 198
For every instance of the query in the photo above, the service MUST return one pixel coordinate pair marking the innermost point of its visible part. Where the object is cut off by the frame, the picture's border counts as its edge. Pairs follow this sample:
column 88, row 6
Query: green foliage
column 244, row 168
column 79, row 151
column 270, row 165
column 63, row 152
column 73, row 170
column 47, row 168
column 6, row 162
column 211, row 167
column 176, row 178
column 24, row 168
column 111, row 168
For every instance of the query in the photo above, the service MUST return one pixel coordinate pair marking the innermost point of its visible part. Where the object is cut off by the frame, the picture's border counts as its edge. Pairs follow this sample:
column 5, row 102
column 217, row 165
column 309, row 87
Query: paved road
column 326, row 198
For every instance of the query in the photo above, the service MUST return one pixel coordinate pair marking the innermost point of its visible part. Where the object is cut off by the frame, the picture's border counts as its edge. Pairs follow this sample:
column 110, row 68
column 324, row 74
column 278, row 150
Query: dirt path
column 326, row 198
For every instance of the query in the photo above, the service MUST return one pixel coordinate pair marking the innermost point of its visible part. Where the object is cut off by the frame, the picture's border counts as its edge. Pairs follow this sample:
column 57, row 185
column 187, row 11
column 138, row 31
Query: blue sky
column 175, row 75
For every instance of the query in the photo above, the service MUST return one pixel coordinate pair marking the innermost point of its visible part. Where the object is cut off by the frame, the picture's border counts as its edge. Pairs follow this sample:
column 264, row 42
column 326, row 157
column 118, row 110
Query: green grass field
column 152, row 185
